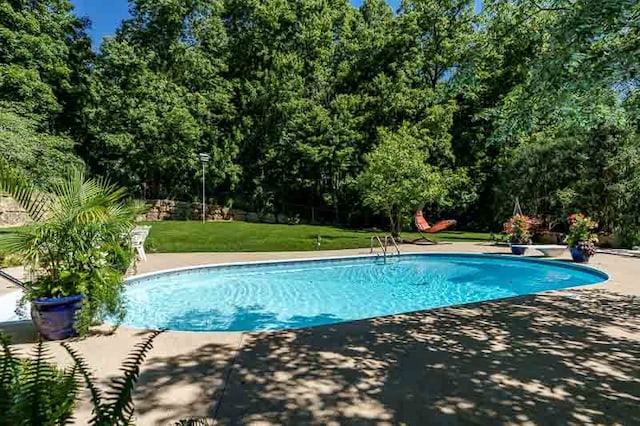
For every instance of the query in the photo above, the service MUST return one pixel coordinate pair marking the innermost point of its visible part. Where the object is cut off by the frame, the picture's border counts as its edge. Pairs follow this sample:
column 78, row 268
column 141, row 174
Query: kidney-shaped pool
column 304, row 293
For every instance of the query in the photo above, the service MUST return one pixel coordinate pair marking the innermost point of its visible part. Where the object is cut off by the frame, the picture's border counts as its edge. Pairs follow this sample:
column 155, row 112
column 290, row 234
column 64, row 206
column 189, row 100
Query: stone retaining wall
column 182, row 210
column 11, row 214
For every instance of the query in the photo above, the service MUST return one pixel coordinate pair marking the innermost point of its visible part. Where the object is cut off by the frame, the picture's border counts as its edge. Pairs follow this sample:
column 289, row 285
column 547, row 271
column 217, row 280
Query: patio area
column 565, row 357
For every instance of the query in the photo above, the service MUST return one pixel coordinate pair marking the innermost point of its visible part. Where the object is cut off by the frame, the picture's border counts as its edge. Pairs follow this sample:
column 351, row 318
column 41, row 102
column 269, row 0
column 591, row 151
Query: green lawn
column 172, row 237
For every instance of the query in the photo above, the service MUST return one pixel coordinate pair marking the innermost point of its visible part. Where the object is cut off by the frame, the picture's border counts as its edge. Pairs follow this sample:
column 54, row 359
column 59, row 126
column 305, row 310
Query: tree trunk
column 398, row 229
column 391, row 221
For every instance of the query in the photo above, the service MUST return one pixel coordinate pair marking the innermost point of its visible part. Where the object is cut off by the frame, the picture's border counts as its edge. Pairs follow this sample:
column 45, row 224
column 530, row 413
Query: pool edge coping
column 570, row 265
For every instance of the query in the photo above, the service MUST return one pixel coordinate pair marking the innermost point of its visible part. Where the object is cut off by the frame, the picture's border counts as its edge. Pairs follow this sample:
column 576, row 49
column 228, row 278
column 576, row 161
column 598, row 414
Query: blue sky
column 106, row 15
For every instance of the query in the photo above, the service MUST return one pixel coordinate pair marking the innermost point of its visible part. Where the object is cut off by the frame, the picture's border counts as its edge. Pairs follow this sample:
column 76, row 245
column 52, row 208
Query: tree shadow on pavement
column 562, row 358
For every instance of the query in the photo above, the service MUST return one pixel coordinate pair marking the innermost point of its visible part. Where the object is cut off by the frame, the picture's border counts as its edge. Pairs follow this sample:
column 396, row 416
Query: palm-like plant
column 77, row 242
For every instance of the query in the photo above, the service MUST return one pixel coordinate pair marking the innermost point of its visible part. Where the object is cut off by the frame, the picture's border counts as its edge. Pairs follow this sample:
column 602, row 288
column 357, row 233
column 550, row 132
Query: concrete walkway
column 567, row 357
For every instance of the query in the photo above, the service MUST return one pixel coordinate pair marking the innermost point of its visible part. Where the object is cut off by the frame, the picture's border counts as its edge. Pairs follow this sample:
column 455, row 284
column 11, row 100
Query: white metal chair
column 138, row 237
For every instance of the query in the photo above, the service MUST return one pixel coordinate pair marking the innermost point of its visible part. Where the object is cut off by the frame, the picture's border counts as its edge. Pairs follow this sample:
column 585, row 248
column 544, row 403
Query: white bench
column 547, row 250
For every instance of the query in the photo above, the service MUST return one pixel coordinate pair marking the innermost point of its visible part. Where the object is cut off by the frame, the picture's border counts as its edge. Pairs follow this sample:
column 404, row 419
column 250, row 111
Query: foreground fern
column 34, row 392
column 115, row 407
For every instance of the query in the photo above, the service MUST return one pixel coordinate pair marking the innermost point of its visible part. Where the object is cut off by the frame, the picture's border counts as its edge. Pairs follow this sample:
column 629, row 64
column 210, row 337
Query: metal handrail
column 393, row 240
column 11, row 279
column 382, row 246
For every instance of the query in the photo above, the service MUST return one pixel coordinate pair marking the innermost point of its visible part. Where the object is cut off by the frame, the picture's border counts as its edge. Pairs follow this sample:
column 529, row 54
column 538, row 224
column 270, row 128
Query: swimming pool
column 295, row 294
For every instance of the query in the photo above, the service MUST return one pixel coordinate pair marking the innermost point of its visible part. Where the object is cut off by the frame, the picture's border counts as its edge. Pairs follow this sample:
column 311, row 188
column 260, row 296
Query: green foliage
column 44, row 57
column 44, row 63
column 115, row 406
column 76, row 243
column 531, row 98
column 33, row 391
column 581, row 229
column 398, row 178
column 160, row 99
column 41, row 157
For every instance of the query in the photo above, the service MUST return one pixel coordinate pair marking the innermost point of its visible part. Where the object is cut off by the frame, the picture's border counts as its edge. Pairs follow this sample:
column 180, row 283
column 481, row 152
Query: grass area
column 173, row 237
column 7, row 261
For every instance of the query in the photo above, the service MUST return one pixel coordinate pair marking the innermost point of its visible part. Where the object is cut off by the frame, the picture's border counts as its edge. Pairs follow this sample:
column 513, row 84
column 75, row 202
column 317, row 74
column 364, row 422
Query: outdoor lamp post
column 204, row 159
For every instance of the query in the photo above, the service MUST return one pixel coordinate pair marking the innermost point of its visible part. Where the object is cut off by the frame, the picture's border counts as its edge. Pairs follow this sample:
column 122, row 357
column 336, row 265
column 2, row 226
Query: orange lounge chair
column 423, row 227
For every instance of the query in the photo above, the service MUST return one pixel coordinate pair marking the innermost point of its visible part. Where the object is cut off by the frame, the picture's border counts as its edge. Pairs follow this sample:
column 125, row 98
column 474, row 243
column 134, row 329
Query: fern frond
column 121, row 407
column 25, row 194
column 9, row 365
column 99, row 414
column 37, row 374
column 65, row 395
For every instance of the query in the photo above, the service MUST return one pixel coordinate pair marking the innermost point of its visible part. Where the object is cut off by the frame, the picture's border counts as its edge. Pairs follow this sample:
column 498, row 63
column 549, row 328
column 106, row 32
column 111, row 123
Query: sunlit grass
column 174, row 236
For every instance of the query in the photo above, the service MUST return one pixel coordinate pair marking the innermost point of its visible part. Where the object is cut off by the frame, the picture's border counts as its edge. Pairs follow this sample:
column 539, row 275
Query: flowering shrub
column 518, row 228
column 581, row 230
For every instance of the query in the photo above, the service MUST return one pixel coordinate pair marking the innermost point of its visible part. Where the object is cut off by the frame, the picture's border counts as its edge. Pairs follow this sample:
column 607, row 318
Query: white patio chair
column 138, row 237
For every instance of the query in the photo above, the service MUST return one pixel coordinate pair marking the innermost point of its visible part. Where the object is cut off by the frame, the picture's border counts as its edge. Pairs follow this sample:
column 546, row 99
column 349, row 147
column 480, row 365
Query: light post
column 204, row 159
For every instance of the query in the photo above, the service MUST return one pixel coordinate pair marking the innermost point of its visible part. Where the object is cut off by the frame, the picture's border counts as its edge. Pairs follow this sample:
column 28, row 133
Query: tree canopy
column 320, row 104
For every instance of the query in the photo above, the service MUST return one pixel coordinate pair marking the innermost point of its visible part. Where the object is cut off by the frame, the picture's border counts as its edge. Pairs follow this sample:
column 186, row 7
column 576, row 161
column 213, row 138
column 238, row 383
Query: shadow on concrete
column 541, row 359
column 183, row 386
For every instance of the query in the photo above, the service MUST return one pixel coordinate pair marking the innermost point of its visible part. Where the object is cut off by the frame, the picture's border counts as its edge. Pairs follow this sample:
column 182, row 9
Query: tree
column 300, row 126
column 160, row 99
column 44, row 60
column 41, row 157
column 565, row 128
column 509, row 39
column 397, row 180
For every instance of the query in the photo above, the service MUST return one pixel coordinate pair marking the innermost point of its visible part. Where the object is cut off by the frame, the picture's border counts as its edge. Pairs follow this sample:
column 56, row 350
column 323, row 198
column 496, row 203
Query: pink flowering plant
column 581, row 233
column 518, row 228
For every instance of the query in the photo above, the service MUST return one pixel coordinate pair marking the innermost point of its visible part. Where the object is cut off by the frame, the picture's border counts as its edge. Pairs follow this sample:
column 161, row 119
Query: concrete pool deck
column 563, row 357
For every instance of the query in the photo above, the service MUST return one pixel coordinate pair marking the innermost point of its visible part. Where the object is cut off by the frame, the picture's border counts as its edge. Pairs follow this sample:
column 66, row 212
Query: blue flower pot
column 578, row 255
column 518, row 250
column 55, row 318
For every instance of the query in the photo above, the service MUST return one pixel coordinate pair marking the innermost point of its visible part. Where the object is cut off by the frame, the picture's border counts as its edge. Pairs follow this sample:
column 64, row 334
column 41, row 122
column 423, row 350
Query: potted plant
column 76, row 251
column 518, row 230
column 581, row 239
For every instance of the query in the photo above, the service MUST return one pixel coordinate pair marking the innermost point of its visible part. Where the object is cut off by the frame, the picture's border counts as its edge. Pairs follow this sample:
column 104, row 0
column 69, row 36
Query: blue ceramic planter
column 578, row 256
column 54, row 318
column 518, row 250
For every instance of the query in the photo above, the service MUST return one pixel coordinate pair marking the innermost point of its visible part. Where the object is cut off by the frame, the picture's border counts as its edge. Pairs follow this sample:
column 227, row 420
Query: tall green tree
column 160, row 98
column 41, row 157
column 44, row 65
column 44, row 60
column 567, row 127
column 289, row 61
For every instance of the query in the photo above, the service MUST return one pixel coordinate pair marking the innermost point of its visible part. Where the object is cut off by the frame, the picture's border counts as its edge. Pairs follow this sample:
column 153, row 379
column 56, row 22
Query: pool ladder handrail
column 384, row 245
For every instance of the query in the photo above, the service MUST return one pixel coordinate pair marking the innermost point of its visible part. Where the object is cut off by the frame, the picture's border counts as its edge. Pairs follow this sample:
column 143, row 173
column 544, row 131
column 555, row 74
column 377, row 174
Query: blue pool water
column 307, row 293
